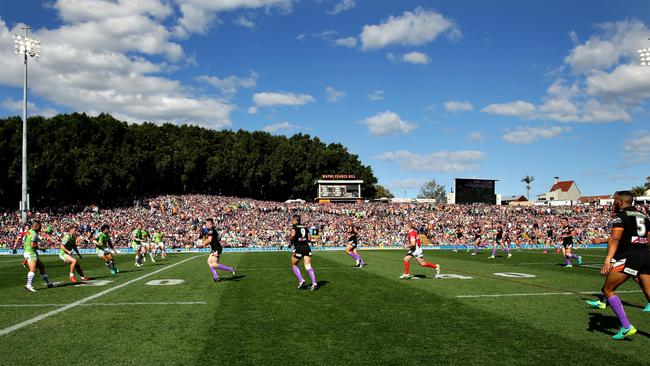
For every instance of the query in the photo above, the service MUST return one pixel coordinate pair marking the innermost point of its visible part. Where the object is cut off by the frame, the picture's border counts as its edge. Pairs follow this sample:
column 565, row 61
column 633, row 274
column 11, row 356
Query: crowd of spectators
column 251, row 223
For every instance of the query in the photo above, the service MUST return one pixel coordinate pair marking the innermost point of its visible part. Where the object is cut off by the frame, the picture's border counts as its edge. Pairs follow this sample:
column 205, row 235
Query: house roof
column 587, row 199
column 520, row 198
column 564, row 186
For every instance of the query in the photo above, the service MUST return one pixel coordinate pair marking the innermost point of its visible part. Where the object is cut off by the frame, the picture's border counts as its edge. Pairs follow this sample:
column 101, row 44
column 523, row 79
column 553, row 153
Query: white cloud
column 391, row 57
column 333, row 95
column 616, row 41
column 273, row 99
column 376, row 95
column 475, row 136
column 607, row 85
column 245, row 22
column 198, row 15
column 16, row 106
column 349, row 42
column 513, row 109
column 388, row 123
column 409, row 29
column 528, row 135
column 440, row 161
column 456, row 106
column 101, row 59
column 638, row 146
column 282, row 126
column 418, row 58
column 342, row 6
column 301, row 37
column 406, row 183
column 230, row 85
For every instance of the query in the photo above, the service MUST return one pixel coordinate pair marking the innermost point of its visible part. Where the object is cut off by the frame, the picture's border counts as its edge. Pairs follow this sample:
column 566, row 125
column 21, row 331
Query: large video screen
column 475, row 191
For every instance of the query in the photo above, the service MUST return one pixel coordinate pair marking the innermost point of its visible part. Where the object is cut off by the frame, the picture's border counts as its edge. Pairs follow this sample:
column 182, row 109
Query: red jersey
column 413, row 234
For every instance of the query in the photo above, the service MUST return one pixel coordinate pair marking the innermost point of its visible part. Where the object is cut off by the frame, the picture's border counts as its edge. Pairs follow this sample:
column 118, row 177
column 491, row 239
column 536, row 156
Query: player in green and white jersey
column 138, row 236
column 30, row 252
column 159, row 244
column 67, row 249
column 148, row 245
column 105, row 249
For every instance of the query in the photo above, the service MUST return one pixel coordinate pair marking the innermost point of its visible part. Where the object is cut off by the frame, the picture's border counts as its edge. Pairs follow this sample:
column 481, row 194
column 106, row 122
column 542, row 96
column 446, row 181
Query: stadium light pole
column 27, row 47
column 644, row 55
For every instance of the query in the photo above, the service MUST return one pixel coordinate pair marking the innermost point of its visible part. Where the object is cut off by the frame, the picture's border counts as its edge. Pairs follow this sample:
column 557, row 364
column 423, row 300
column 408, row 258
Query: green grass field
column 359, row 316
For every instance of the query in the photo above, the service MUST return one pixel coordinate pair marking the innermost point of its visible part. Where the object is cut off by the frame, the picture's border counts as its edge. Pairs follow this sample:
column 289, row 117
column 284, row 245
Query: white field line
column 105, row 304
column 541, row 294
column 15, row 327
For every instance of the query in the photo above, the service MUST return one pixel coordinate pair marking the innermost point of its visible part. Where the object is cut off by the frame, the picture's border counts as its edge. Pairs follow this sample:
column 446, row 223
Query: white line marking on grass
column 14, row 328
column 106, row 304
column 542, row 294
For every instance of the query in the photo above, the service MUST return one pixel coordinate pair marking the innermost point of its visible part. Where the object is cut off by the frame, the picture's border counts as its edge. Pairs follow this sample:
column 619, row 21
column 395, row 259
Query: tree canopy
column 75, row 158
column 433, row 190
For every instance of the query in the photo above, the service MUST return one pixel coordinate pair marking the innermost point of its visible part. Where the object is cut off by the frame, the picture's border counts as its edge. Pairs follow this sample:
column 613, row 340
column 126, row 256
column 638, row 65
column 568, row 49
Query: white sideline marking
column 542, row 294
column 13, row 328
column 106, row 304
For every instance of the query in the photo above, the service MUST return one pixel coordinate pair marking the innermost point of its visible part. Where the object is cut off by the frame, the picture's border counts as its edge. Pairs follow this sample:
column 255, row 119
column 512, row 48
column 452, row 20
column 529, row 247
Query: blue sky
column 418, row 89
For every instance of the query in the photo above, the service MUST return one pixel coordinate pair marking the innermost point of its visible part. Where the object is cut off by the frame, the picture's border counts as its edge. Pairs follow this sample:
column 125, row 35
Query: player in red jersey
column 414, row 247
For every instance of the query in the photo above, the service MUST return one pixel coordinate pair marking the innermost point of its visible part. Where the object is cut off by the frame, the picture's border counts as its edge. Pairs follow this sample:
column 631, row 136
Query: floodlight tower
column 27, row 47
column 644, row 55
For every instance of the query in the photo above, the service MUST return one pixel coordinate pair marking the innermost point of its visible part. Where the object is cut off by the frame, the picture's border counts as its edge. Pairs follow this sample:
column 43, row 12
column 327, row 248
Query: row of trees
column 74, row 158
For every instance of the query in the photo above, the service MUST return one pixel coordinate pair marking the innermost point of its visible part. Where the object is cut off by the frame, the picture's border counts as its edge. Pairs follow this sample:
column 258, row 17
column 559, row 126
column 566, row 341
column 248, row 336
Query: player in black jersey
column 299, row 241
column 460, row 238
column 550, row 240
column 568, row 233
column 498, row 240
column 213, row 241
column 628, row 255
column 353, row 242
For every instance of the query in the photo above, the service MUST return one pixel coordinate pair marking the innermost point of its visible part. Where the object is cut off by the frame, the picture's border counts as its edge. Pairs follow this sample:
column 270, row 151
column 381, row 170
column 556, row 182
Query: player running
column 498, row 240
column 568, row 233
column 628, row 256
column 353, row 242
column 213, row 240
column 105, row 249
column 159, row 244
column 67, row 249
column 478, row 238
column 414, row 247
column 30, row 253
column 460, row 239
column 299, row 241
column 137, row 242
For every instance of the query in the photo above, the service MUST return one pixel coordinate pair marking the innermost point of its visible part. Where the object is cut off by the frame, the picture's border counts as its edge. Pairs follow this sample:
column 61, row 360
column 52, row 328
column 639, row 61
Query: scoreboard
column 339, row 190
column 470, row 191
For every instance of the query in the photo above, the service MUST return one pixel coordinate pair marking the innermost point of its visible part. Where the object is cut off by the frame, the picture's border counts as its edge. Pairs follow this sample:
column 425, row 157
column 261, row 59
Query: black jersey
column 301, row 237
column 549, row 232
column 635, row 231
column 352, row 235
column 499, row 233
column 215, row 240
column 567, row 235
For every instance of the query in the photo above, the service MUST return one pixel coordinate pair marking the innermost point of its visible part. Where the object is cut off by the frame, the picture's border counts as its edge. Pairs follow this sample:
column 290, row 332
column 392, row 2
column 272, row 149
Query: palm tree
column 528, row 180
column 638, row 191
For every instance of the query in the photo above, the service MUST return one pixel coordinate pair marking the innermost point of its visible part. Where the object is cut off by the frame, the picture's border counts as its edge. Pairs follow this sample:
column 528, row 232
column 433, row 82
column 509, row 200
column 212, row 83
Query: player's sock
column 296, row 271
column 312, row 275
column 507, row 249
column 617, row 306
column 407, row 265
column 430, row 265
column 79, row 271
column 361, row 259
column 475, row 249
column 494, row 251
column 30, row 278
column 223, row 267
column 45, row 278
column 567, row 261
column 573, row 255
column 354, row 256
column 71, row 274
column 215, row 275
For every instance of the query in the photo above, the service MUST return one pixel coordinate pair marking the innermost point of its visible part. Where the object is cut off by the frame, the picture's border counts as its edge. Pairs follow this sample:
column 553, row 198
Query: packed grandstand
column 252, row 223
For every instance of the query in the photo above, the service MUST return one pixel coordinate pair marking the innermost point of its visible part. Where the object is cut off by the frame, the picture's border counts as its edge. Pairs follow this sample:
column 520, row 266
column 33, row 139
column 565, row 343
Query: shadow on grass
column 608, row 324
